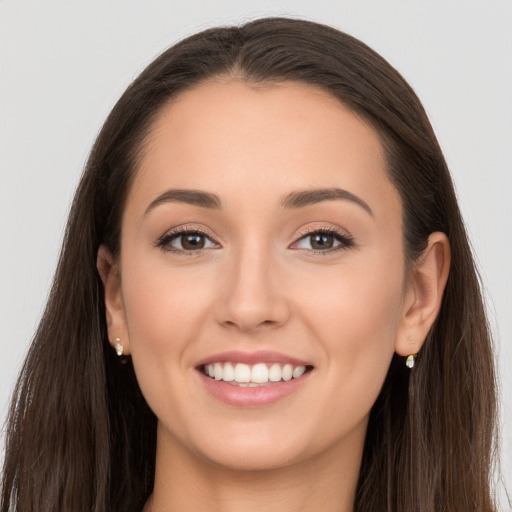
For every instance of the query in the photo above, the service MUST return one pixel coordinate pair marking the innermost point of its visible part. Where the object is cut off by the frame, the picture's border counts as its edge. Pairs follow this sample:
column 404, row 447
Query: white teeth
column 247, row 376
column 259, row 373
column 298, row 371
column 217, row 371
column 229, row 373
column 287, row 372
column 242, row 373
column 275, row 374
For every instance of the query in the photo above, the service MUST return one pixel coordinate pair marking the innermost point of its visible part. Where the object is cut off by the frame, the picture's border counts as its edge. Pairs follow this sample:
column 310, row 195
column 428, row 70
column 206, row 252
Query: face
column 261, row 289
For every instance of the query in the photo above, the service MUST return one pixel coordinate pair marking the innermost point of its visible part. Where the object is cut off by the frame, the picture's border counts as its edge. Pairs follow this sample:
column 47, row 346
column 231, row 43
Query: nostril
column 267, row 322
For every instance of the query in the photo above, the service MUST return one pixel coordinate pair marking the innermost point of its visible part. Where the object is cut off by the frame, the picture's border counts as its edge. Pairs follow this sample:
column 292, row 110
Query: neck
column 185, row 481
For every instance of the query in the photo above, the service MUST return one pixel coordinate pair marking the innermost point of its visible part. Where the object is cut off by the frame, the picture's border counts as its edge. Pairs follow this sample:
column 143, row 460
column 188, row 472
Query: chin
column 260, row 447
column 254, row 457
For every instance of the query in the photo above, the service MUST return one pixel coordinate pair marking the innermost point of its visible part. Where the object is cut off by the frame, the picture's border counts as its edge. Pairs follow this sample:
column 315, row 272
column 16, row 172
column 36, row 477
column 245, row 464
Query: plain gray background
column 63, row 65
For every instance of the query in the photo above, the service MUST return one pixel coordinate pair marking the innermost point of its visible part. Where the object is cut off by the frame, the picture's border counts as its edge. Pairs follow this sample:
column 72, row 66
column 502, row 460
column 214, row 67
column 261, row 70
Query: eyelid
column 346, row 239
column 322, row 228
column 162, row 241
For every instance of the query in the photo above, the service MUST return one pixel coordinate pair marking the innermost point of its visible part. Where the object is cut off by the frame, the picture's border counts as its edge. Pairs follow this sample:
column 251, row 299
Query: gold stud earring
column 410, row 361
column 119, row 348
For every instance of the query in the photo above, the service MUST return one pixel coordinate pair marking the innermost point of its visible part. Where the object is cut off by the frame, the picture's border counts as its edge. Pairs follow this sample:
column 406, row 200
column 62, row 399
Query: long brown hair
column 80, row 436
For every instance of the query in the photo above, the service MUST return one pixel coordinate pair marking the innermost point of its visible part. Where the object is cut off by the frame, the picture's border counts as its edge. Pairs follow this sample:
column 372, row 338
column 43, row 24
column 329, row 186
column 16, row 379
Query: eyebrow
column 302, row 198
column 297, row 199
column 193, row 197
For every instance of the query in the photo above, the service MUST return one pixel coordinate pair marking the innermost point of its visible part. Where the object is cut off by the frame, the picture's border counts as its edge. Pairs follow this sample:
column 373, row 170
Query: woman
column 266, row 234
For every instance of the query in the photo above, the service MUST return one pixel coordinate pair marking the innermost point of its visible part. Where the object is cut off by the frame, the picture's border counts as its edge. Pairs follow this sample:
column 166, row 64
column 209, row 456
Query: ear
column 108, row 269
column 424, row 294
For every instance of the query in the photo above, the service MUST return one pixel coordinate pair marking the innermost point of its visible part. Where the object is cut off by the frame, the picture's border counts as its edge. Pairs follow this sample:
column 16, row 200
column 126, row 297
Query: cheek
column 162, row 304
column 164, row 311
column 356, row 318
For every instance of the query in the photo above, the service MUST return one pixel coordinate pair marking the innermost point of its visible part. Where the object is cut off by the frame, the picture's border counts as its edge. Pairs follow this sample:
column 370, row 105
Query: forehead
column 241, row 141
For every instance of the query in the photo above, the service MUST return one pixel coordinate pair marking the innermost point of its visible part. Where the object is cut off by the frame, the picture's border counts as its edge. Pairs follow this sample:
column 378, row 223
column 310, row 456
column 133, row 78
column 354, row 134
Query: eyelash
column 164, row 241
column 346, row 241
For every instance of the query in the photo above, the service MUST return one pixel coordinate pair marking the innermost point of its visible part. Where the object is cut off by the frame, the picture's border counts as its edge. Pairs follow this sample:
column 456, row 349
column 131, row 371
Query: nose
column 252, row 296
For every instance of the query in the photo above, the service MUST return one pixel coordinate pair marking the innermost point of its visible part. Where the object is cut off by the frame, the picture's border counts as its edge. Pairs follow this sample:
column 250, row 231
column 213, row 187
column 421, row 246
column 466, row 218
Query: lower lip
column 252, row 397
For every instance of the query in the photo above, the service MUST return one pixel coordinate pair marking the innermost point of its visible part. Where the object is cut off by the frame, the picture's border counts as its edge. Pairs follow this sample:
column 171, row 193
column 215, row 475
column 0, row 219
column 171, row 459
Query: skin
column 258, row 285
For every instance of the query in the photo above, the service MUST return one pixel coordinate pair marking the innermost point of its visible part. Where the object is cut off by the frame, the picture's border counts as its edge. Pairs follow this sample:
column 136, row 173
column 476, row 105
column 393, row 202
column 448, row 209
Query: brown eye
column 192, row 242
column 321, row 241
column 186, row 241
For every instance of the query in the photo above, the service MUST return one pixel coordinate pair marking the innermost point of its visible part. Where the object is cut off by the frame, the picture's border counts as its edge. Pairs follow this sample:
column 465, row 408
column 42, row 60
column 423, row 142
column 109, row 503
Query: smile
column 257, row 379
column 244, row 375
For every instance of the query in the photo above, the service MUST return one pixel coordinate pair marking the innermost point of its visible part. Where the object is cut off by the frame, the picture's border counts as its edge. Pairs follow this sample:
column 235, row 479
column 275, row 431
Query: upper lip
column 260, row 356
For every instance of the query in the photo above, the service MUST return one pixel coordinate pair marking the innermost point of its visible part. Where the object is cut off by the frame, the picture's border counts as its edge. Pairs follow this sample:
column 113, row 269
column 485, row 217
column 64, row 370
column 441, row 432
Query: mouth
column 253, row 379
column 253, row 375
